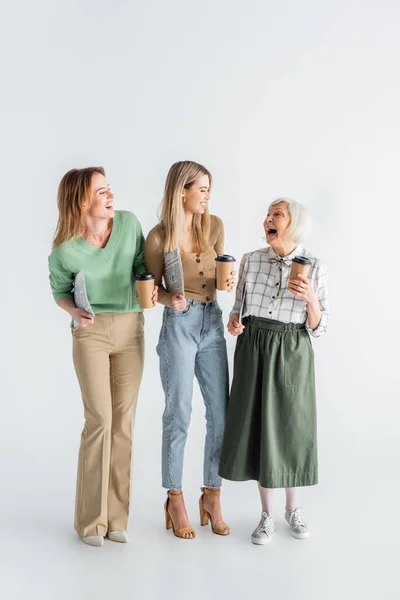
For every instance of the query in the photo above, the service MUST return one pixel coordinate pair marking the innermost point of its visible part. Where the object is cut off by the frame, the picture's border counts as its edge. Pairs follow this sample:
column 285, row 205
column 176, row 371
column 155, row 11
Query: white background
column 276, row 98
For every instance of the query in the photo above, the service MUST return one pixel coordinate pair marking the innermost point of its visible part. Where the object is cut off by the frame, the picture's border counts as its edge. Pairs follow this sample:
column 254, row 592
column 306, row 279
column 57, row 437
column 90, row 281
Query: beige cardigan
column 198, row 269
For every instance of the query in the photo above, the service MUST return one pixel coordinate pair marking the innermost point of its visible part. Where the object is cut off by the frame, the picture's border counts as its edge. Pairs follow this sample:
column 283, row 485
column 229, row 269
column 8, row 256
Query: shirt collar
column 296, row 252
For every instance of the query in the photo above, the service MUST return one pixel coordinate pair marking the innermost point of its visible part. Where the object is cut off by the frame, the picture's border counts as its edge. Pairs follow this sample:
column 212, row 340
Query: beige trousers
column 108, row 359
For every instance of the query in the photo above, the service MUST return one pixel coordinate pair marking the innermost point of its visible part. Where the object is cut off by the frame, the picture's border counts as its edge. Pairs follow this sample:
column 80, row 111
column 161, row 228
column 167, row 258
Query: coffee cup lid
column 144, row 276
column 225, row 258
column 302, row 260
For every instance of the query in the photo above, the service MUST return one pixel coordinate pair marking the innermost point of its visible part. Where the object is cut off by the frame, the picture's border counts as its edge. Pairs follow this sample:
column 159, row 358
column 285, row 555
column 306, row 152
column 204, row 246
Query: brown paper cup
column 300, row 265
column 225, row 265
column 145, row 288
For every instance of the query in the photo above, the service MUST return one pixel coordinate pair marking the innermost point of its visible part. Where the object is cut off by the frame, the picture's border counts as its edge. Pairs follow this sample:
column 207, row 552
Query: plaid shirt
column 259, row 282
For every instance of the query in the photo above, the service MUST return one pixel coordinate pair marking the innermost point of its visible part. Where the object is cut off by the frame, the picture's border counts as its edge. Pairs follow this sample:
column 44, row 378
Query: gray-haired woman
column 271, row 433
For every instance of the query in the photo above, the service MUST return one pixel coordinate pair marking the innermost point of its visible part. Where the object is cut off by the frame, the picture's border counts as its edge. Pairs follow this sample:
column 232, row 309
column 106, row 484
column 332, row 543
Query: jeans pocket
column 181, row 313
column 218, row 309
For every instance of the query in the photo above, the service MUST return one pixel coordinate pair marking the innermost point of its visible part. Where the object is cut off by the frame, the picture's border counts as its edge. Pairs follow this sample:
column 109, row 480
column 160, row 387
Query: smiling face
column 101, row 199
column 196, row 198
column 276, row 225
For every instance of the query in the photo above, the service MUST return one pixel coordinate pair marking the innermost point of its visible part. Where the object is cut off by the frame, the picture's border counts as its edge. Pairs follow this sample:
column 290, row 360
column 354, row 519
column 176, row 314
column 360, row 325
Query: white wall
column 276, row 98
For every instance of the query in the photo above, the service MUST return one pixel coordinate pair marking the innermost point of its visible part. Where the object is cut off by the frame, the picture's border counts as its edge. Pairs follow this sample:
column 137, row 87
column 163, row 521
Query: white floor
column 352, row 552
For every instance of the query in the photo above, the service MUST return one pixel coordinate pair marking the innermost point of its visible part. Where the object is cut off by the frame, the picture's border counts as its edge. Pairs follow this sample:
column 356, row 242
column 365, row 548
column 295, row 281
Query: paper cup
column 145, row 289
column 225, row 266
column 300, row 265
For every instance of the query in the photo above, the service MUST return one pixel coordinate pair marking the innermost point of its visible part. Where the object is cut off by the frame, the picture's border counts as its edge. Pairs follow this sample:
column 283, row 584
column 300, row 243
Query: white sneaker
column 297, row 526
column 118, row 536
column 263, row 532
column 93, row 540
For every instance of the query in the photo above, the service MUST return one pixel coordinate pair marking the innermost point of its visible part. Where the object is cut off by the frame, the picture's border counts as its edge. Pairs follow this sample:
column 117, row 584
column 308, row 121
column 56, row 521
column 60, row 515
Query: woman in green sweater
column 108, row 346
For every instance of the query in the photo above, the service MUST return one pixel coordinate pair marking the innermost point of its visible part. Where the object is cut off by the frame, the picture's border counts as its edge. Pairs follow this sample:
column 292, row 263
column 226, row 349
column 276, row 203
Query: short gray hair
column 300, row 225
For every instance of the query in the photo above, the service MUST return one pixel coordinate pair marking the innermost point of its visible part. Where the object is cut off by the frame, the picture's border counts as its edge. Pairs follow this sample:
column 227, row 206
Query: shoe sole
column 261, row 542
column 300, row 536
column 93, row 544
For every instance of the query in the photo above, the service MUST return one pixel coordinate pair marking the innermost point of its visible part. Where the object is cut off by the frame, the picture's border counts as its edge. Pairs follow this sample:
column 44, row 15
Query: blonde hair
column 73, row 193
column 182, row 175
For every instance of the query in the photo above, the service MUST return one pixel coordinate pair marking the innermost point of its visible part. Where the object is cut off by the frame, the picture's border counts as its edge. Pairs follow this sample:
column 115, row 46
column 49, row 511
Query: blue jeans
column 192, row 343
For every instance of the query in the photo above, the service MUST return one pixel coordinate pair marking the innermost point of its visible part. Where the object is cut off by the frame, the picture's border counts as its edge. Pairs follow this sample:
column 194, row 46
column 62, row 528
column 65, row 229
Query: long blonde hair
column 73, row 193
column 182, row 175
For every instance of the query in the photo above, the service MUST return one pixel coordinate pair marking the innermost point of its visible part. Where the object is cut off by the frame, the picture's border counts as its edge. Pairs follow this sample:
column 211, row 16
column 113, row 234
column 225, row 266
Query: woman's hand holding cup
column 234, row 326
column 302, row 288
column 224, row 272
column 231, row 282
column 228, row 284
column 154, row 296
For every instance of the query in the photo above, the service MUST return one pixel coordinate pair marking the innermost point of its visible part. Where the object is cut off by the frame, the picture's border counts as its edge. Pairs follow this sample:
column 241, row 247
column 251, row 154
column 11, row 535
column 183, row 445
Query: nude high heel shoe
column 205, row 517
column 180, row 533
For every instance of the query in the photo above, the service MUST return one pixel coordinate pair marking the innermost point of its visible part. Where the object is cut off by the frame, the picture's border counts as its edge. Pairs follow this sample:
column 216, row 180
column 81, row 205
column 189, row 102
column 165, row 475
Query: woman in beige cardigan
column 192, row 339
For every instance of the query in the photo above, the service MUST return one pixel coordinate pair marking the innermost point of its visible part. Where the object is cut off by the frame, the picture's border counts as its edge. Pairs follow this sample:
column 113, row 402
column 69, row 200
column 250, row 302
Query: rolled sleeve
column 322, row 293
column 240, row 286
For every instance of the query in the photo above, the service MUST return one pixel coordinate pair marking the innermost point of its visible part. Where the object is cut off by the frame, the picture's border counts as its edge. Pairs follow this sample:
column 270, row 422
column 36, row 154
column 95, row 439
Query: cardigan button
column 197, row 260
column 204, row 286
column 201, row 273
column 208, row 298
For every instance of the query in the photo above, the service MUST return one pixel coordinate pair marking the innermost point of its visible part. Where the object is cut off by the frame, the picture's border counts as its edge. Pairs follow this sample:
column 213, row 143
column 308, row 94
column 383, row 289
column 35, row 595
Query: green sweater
column 109, row 271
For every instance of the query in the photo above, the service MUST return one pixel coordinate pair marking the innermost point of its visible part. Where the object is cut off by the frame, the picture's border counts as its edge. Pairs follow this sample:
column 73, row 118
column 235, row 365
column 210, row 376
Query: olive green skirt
column 271, row 428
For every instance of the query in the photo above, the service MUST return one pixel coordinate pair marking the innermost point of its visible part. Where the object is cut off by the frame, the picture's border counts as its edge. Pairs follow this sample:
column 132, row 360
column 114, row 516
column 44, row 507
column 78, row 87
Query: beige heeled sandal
column 205, row 517
column 180, row 533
